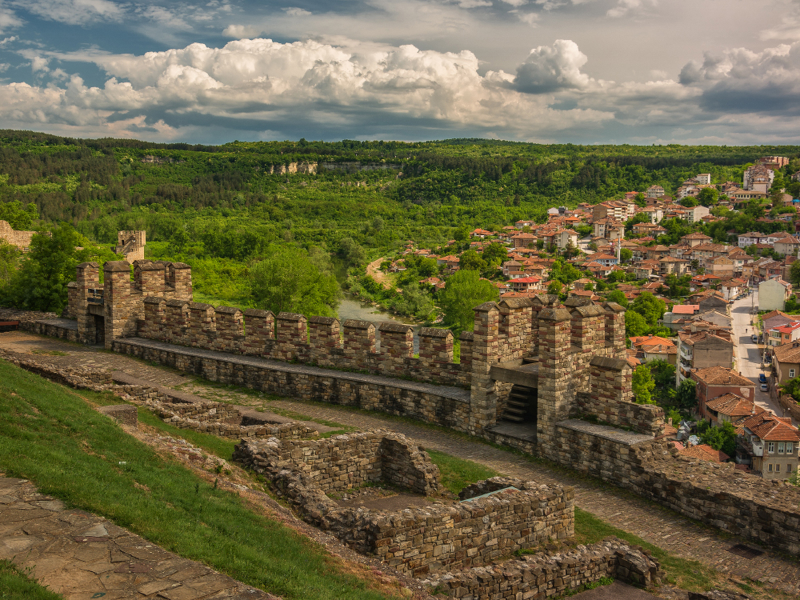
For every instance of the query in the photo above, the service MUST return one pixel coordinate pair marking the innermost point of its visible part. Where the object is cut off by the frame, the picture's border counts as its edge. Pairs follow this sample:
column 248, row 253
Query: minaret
column 619, row 250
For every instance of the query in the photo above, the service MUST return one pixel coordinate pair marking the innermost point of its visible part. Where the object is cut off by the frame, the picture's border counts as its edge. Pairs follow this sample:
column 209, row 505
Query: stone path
column 656, row 525
column 80, row 555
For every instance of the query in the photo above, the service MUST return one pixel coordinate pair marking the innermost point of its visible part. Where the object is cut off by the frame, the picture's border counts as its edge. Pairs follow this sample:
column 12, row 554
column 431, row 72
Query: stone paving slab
column 629, row 438
column 80, row 555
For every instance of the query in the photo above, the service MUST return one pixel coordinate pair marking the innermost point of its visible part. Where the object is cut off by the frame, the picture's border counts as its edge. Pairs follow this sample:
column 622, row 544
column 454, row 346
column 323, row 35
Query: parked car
column 762, row 378
column 764, row 387
column 754, row 337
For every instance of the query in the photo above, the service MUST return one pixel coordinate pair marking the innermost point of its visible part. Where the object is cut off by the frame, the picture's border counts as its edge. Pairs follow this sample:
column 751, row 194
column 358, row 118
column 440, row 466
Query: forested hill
column 229, row 202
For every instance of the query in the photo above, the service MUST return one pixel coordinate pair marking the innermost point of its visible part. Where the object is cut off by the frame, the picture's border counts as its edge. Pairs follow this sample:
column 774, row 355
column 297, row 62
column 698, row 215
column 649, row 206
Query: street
column 748, row 359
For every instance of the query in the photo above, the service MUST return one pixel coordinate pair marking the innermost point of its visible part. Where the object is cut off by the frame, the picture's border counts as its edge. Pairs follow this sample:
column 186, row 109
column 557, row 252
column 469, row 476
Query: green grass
column 48, row 434
column 15, row 585
column 687, row 574
column 208, row 442
column 457, row 473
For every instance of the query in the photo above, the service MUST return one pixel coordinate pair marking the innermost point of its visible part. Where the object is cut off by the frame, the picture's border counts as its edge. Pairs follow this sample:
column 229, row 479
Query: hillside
column 220, row 207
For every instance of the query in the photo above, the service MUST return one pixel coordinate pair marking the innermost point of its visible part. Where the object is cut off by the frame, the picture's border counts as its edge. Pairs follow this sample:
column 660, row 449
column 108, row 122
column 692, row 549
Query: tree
column 351, row 252
column 708, row 196
column 43, row 275
column 19, row 217
column 635, row 324
column 471, row 261
column 413, row 301
column 625, row 255
column 461, row 234
column 462, row 292
column 721, row 438
column 495, row 254
column 664, row 377
column 618, row 297
column 9, row 261
column 686, row 396
column 554, row 287
column 650, row 307
column 688, row 201
column 643, row 384
column 588, row 287
column 794, row 272
column 291, row 279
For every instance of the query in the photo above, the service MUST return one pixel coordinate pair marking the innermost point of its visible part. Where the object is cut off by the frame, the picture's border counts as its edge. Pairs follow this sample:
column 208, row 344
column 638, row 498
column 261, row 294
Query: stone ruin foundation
column 494, row 519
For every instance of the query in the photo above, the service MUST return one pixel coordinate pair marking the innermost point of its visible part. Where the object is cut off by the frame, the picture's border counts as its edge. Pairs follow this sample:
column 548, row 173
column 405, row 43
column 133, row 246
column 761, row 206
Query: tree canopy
column 464, row 291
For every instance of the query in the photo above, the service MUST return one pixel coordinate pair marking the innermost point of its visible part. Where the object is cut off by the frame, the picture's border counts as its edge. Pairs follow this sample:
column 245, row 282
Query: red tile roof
column 704, row 452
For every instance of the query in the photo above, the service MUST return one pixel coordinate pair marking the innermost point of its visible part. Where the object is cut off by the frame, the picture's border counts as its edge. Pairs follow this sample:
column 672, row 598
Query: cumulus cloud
column 8, row 19
column 73, row 12
column 625, row 7
column 552, row 68
column 743, row 81
column 294, row 11
column 266, row 82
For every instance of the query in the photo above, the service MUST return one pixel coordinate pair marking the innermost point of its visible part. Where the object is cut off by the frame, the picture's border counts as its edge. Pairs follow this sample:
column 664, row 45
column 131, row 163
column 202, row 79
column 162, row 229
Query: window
column 789, row 448
column 778, row 468
column 791, row 373
column 788, row 468
column 771, row 447
column 770, row 468
column 780, row 447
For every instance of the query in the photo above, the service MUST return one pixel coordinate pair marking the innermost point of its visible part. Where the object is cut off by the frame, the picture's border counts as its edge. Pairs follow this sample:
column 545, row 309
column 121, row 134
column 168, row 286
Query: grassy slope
column 50, row 436
column 15, row 585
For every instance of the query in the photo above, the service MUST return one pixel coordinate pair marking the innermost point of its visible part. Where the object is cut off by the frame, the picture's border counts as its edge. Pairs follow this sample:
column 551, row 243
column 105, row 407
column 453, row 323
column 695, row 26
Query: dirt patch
column 374, row 271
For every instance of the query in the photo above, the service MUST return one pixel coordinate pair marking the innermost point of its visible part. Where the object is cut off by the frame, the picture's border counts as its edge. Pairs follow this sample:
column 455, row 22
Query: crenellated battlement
column 551, row 346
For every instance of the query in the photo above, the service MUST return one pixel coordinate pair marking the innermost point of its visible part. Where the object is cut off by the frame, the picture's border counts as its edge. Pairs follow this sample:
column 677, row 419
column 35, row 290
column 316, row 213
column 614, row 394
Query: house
column 654, row 191
column 699, row 350
column 651, row 347
column 673, row 266
column 713, row 382
column 722, row 267
column 451, row 262
column 776, row 318
column 783, row 334
column 524, row 240
column 730, row 408
column 618, row 210
column 758, row 178
column 655, row 214
column 566, row 237
column 705, row 281
column 732, row 288
column 785, row 362
column 481, row 233
column 646, row 269
column 648, row 229
column 772, row 443
column 526, row 284
column 606, row 260
column 773, row 293
column 787, row 245
column 679, row 312
column 695, row 239
column 704, row 452
column 694, row 214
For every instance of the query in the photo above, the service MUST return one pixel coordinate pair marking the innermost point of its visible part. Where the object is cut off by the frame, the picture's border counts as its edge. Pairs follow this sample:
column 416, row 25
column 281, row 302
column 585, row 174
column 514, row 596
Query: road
column 748, row 359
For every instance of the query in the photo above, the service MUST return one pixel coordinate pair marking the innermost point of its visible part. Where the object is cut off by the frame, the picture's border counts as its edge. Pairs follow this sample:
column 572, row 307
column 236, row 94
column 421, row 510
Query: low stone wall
column 172, row 407
column 790, row 406
column 741, row 504
column 64, row 329
column 546, row 575
column 213, row 417
column 415, row 540
column 446, row 406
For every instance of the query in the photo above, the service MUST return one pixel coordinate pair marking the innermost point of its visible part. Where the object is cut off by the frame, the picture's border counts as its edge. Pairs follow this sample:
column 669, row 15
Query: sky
column 579, row 71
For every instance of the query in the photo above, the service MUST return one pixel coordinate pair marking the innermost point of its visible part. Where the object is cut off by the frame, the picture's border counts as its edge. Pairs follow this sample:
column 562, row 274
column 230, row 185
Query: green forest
column 225, row 210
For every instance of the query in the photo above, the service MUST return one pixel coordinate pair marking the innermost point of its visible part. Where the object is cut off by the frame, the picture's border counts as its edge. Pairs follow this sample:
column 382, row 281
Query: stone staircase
column 520, row 404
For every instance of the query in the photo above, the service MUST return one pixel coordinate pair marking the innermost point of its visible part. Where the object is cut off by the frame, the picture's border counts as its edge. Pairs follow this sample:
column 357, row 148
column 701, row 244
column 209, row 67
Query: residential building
column 772, row 294
column 526, row 284
column 704, row 452
column 618, row 210
column 524, row 240
column 787, row 245
column 776, row 318
column 695, row 214
column 721, row 266
column 673, row 266
column 604, row 259
column 651, row 347
column 654, row 191
column 785, row 362
column 646, row 269
column 758, row 178
column 703, row 178
column 656, row 213
column 695, row 239
column 773, row 443
column 730, row 408
column 700, row 350
column 566, row 237
column 713, row 382
column 783, row 334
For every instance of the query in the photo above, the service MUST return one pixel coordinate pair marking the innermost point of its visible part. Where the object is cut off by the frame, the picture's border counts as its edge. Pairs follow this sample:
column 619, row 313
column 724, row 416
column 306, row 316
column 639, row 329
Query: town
column 723, row 317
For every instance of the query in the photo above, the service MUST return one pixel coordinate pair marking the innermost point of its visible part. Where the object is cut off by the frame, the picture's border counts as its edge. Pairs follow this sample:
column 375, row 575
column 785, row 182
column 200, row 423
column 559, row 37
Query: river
column 353, row 309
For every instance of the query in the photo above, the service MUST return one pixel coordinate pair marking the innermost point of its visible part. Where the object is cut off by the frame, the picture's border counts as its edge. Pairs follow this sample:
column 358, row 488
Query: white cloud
column 516, row 3
column 552, row 68
column 240, row 31
column 531, row 19
column 73, row 12
column 473, row 3
column 624, row 7
column 294, row 11
column 8, row 19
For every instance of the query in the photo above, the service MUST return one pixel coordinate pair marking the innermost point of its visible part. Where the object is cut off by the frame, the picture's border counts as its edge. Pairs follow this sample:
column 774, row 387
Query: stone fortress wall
column 573, row 354
column 20, row 239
